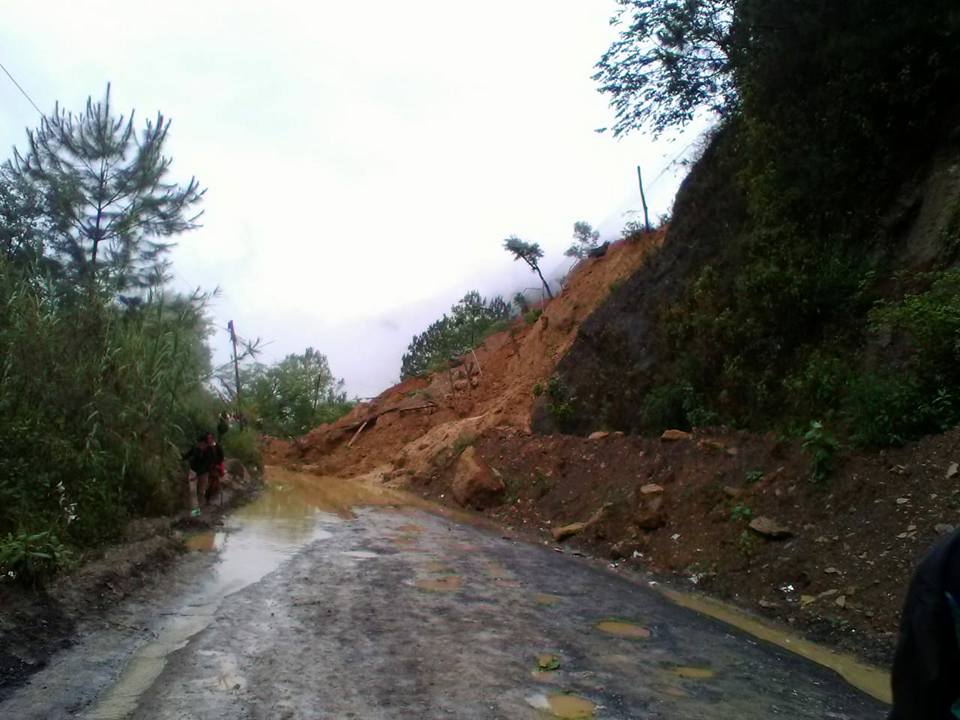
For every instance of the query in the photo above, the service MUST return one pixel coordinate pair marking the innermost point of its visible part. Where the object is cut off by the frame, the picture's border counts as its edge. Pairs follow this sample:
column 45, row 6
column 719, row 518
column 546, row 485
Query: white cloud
column 364, row 160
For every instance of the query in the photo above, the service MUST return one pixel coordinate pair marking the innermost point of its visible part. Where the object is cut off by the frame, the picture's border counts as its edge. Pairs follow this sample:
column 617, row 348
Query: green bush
column 97, row 399
column 31, row 559
column 471, row 320
column 462, row 443
column 822, row 447
column 921, row 395
column 560, row 403
column 675, row 406
column 531, row 316
column 243, row 445
column 891, row 408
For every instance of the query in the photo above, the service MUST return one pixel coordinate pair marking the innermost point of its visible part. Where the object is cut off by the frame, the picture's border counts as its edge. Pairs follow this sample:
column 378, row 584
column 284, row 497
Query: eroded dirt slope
column 408, row 425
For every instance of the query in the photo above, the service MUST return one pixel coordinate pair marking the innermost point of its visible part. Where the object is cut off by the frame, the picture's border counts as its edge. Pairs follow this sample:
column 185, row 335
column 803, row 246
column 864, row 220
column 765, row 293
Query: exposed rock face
column 610, row 368
column 675, row 435
column 474, row 483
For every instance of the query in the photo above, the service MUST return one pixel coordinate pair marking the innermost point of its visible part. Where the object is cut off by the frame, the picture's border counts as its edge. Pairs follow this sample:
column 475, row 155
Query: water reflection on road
column 279, row 522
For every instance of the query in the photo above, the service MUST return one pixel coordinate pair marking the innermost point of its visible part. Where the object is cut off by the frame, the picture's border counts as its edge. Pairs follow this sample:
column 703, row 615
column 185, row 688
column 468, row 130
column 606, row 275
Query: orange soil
column 494, row 387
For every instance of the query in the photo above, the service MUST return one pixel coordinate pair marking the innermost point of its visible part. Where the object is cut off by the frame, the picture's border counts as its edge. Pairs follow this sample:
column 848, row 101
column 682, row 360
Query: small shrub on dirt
column 741, row 513
column 242, row 445
column 532, row 316
column 462, row 443
column 675, row 406
column 31, row 559
column 560, row 404
column 542, row 483
column 753, row 476
column 747, row 544
column 634, row 230
column 512, row 485
column 822, row 447
column 537, row 390
column 616, row 285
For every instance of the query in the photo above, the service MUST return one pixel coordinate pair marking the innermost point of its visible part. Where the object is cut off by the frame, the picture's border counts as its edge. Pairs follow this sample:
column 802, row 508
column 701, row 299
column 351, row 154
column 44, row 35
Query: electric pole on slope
column 643, row 199
column 236, row 364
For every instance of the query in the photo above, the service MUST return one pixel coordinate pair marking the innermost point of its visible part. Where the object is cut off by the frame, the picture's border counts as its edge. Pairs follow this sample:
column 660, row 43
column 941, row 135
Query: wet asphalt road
column 395, row 613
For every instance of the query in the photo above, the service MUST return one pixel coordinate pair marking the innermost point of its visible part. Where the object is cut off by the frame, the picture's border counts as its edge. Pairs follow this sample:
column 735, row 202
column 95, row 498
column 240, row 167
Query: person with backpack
column 926, row 666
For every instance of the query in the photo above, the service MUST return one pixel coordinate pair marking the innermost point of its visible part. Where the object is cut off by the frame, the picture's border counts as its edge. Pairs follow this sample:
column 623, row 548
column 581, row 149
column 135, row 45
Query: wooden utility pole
column 643, row 199
column 236, row 361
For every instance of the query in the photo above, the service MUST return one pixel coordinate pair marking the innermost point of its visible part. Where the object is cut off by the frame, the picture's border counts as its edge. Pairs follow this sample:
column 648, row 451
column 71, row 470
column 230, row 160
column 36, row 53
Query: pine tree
column 104, row 186
column 530, row 253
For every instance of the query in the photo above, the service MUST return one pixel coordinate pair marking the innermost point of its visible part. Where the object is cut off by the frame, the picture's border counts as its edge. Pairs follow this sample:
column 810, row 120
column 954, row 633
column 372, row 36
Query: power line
column 671, row 163
column 29, row 99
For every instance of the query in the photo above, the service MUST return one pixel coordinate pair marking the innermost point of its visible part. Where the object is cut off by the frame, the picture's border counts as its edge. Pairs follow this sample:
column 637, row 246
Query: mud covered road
column 304, row 606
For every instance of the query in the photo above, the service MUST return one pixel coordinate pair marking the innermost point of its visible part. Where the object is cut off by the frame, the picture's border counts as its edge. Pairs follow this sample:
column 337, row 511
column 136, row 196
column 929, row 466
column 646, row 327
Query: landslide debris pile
column 411, row 427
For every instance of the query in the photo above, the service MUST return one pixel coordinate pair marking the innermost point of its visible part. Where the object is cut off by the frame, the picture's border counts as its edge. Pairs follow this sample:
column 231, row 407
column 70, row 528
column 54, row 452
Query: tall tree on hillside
column 671, row 59
column 111, row 208
column 530, row 253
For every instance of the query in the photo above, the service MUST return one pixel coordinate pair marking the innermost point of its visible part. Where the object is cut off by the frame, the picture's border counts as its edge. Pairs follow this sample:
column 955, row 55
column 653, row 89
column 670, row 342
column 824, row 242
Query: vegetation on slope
column 102, row 369
column 105, row 374
column 470, row 320
column 791, row 305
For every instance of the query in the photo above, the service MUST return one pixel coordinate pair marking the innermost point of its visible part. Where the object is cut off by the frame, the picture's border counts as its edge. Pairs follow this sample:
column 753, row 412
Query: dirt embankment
column 737, row 516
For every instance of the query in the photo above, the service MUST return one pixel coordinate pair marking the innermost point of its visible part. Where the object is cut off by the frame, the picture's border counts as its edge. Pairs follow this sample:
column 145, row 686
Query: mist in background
column 364, row 163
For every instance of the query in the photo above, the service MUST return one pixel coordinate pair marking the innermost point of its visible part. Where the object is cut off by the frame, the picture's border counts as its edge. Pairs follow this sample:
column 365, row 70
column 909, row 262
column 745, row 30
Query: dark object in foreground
column 926, row 667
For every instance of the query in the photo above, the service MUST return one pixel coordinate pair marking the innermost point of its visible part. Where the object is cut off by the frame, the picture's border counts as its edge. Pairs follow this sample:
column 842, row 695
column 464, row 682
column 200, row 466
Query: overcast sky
column 364, row 161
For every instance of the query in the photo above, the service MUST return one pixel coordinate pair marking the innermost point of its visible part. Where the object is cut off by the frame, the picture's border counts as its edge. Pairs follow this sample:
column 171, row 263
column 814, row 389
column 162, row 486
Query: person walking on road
column 199, row 457
column 215, row 452
column 926, row 666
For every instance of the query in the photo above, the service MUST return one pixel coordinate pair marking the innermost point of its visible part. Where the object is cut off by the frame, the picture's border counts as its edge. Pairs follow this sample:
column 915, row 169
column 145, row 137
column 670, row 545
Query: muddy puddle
column 623, row 629
column 258, row 537
column 871, row 680
column 562, row 705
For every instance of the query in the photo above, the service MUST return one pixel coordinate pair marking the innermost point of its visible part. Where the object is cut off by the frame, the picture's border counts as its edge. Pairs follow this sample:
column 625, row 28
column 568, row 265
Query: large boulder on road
column 474, row 483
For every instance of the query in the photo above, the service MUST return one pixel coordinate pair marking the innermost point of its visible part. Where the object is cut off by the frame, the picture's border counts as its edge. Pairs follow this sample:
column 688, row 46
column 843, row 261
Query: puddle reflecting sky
column 280, row 521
